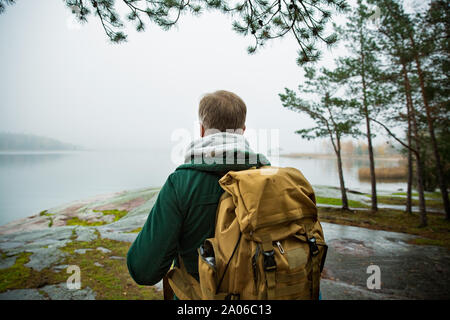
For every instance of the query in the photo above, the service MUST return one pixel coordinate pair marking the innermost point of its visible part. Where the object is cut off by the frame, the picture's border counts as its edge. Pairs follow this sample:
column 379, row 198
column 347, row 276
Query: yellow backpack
column 268, row 241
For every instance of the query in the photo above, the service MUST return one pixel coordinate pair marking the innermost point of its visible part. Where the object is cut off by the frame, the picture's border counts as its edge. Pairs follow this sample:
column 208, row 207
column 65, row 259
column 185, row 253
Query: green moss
column 13, row 276
column 137, row 230
column 414, row 194
column 431, row 242
column 432, row 195
column 118, row 214
column 45, row 213
column 402, row 201
column 19, row 276
column 75, row 221
column 112, row 281
column 73, row 236
column 338, row 202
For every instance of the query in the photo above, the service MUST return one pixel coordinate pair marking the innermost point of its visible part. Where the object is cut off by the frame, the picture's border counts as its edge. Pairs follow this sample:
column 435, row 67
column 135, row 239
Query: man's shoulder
column 189, row 178
column 194, row 187
column 189, row 172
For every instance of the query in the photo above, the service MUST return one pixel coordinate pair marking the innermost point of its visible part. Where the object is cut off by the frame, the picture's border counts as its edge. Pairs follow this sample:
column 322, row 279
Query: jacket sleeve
column 152, row 252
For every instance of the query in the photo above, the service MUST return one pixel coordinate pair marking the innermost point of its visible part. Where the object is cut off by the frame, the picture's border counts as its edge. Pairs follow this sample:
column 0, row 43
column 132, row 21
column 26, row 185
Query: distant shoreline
column 345, row 156
column 38, row 151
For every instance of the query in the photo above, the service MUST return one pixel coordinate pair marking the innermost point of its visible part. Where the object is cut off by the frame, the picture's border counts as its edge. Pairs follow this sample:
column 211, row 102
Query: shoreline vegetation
column 393, row 157
column 31, row 142
column 398, row 173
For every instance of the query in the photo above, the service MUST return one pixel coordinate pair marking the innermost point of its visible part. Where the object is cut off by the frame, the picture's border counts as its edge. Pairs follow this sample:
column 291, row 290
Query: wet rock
column 22, row 294
column 104, row 250
column 61, row 233
column 81, row 251
column 86, row 234
column 60, row 267
column 30, row 223
column 407, row 270
column 335, row 290
column 61, row 292
column 350, row 246
column 7, row 262
column 8, row 245
column 116, row 235
column 49, row 292
column 117, row 258
column 44, row 258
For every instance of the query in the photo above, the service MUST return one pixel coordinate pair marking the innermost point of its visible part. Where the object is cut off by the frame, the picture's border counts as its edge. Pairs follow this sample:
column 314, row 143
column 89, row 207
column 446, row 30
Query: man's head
column 221, row 111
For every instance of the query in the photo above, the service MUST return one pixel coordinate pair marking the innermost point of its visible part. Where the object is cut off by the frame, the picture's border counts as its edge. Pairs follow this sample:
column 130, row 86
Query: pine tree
column 360, row 71
column 428, row 37
column 426, row 44
column 330, row 113
column 4, row 3
column 393, row 42
column 264, row 20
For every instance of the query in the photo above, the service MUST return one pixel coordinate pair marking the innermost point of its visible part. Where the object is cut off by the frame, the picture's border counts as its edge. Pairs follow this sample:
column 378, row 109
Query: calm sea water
column 34, row 181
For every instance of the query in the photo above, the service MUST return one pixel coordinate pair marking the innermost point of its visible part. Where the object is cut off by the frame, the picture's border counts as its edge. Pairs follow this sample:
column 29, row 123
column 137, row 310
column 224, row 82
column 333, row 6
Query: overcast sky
column 68, row 82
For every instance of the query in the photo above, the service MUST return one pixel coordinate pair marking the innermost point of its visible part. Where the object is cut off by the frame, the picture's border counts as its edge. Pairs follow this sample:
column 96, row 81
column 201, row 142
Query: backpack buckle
column 233, row 296
column 313, row 246
column 269, row 260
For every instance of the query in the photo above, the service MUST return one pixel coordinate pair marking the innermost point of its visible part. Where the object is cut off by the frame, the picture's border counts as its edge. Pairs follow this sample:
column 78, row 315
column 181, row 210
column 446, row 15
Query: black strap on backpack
column 228, row 263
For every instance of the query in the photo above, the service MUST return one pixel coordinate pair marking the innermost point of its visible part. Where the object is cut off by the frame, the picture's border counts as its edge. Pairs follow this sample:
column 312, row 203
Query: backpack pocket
column 293, row 266
column 207, row 269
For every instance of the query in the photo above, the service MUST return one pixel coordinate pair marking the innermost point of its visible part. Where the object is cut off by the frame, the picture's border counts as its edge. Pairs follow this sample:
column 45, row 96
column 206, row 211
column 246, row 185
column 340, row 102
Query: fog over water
column 65, row 81
column 31, row 182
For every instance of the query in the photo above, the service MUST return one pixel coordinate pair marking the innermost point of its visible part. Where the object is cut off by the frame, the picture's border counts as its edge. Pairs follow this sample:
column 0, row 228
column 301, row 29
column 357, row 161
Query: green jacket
column 181, row 219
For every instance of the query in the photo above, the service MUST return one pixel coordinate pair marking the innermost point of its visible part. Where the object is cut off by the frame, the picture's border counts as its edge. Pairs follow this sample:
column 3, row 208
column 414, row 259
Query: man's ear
column 202, row 130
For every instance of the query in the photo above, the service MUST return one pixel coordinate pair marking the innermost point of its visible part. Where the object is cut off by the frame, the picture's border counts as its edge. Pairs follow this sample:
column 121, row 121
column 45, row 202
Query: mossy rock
column 110, row 281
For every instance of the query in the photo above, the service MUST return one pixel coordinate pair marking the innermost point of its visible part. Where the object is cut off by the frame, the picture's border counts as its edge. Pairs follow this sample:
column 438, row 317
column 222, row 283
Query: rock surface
column 407, row 271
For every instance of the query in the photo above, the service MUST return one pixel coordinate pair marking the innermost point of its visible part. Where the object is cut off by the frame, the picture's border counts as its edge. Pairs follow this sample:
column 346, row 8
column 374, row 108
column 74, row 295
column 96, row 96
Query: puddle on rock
column 350, row 246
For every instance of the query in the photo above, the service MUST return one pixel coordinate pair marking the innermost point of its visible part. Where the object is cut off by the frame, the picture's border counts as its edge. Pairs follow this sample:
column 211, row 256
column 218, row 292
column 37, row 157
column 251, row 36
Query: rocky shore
column 36, row 255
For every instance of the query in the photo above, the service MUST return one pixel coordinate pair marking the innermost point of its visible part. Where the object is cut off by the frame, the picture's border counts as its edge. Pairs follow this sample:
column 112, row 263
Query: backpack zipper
column 280, row 247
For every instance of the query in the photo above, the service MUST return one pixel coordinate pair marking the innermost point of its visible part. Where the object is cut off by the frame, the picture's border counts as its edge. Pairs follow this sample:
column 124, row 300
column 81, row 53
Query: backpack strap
column 270, row 265
column 185, row 286
column 226, row 267
column 314, row 252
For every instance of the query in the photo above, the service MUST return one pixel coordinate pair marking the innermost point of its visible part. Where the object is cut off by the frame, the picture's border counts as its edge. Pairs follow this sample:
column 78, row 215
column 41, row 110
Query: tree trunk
column 371, row 163
column 420, row 189
column 369, row 135
column 410, row 162
column 341, row 175
column 439, row 168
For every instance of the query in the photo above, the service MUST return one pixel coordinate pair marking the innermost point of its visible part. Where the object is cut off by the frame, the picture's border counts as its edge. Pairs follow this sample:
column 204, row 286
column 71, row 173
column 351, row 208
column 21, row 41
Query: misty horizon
column 64, row 80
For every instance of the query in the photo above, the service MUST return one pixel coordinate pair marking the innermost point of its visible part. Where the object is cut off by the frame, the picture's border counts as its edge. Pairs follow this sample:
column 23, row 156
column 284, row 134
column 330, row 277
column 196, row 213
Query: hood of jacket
column 221, row 152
